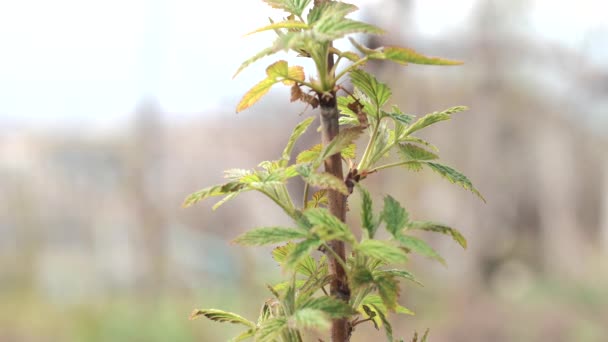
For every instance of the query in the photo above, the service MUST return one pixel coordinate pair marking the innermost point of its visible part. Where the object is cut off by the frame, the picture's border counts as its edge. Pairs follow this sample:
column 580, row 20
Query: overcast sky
column 93, row 60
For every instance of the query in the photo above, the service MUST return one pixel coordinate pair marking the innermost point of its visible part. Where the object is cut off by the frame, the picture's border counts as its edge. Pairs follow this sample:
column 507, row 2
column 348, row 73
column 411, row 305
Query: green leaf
column 266, row 52
column 360, row 277
column 295, row 135
column 381, row 250
column 289, row 24
column 270, row 235
column 349, row 151
column 322, row 180
column 378, row 92
column 404, row 56
column 343, row 140
column 318, row 199
column 216, row 190
column 439, row 228
column 333, row 307
column 388, row 329
column 419, row 141
column 244, row 336
column 310, row 155
column 367, row 214
column 413, row 152
column 388, row 289
column 322, row 218
column 432, row 118
column 301, row 251
column 425, row 336
column 270, row 329
column 329, row 9
column 226, row 198
column 419, row 246
column 401, row 274
column 394, row 215
column 311, row 318
column 307, row 265
column 295, row 7
column 222, row 316
column 454, row 177
column 330, row 28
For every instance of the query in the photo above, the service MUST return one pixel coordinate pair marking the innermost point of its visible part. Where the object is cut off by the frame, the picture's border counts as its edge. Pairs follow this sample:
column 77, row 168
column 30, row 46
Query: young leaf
column 413, row 152
column 307, row 265
column 311, row 318
column 381, row 250
column 295, row 7
column 332, row 28
column 367, row 214
column 297, row 133
column 333, row 307
column 360, row 277
column 255, row 94
column 388, row 329
column 321, row 217
column 270, row 329
column 266, row 52
column 310, row 155
column 417, row 140
column 222, row 316
column 454, row 177
column 344, row 139
column 270, row 235
column 216, row 190
column 329, row 9
column 244, row 336
column 301, row 251
column 419, row 246
column 400, row 274
column 404, row 56
column 289, row 24
column 322, row 180
column 394, row 215
column 318, row 199
column 432, row 118
column 439, row 228
column 388, row 289
column 378, row 92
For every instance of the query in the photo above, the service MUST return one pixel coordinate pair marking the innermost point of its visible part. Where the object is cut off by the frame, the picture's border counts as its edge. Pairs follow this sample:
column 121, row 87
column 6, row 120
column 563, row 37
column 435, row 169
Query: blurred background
column 112, row 112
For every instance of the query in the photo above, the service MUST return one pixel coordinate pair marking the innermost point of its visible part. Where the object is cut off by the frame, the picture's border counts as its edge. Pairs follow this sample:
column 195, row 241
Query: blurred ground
column 94, row 244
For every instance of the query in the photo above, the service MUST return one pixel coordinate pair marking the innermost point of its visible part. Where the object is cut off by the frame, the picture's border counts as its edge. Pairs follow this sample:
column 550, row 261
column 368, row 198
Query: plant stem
column 386, row 166
column 305, row 199
column 340, row 328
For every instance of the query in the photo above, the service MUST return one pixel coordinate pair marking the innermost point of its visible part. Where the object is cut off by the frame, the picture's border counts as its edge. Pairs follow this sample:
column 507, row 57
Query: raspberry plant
column 363, row 274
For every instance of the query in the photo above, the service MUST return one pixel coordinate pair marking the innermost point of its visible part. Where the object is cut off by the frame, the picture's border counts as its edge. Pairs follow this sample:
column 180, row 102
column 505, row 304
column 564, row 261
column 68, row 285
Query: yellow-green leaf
column 290, row 24
column 255, row 94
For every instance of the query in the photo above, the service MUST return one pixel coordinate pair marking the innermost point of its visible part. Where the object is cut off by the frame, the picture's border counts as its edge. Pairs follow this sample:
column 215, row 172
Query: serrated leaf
column 349, row 151
column 255, row 94
column 405, row 119
column 401, row 274
column 404, row 56
column 388, row 289
column 307, row 265
column 432, row 118
column 454, row 177
column 360, row 277
column 381, row 250
column 376, row 91
column 395, row 216
column 330, row 28
column 311, row 318
column 216, row 190
column 329, row 224
column 280, row 287
column 318, row 199
column 341, row 141
column 388, row 329
column 439, row 228
column 270, row 235
column 419, row 141
column 266, row 52
column 295, row 7
column 367, row 214
column 310, row 155
column 333, row 307
column 270, row 329
column 419, row 246
column 322, row 180
column 289, row 24
column 295, row 135
column 329, row 9
column 221, row 316
column 301, row 251
column 226, row 198
column 243, row 336
column 413, row 152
